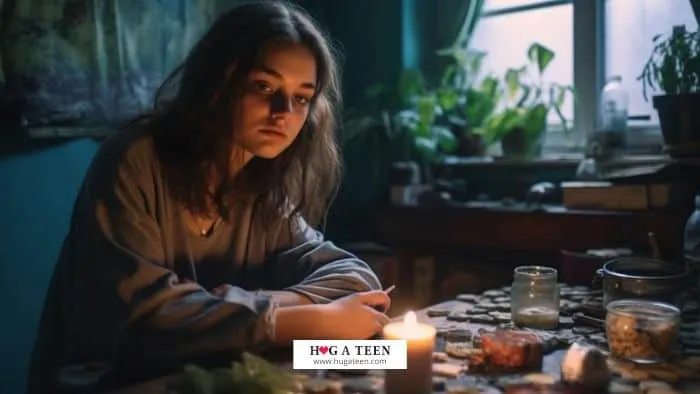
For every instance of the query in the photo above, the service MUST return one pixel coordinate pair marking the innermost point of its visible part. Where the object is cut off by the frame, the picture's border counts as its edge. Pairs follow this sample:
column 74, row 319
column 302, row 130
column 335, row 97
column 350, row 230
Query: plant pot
column 517, row 144
column 470, row 145
column 680, row 123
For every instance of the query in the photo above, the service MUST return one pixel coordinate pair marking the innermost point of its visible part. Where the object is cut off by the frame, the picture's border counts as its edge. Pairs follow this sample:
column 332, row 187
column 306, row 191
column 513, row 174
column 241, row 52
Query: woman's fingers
column 378, row 317
column 376, row 298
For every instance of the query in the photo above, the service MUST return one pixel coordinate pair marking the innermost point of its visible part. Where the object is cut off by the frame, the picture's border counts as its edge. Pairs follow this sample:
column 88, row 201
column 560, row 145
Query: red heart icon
column 323, row 349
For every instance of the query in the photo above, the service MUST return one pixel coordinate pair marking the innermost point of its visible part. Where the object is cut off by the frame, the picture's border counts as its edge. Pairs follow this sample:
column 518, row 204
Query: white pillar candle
column 420, row 342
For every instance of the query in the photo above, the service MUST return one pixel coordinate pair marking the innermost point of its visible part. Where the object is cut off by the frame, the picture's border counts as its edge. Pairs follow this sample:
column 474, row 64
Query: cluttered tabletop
column 479, row 349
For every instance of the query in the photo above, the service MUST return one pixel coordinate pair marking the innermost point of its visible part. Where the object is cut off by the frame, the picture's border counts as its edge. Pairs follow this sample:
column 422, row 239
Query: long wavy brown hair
column 193, row 119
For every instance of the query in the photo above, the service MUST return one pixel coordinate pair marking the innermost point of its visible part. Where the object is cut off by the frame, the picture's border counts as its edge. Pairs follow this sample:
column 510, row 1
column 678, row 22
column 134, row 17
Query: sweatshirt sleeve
column 309, row 265
column 125, row 281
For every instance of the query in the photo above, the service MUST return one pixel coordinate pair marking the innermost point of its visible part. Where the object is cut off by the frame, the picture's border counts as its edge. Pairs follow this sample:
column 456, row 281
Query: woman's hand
column 355, row 316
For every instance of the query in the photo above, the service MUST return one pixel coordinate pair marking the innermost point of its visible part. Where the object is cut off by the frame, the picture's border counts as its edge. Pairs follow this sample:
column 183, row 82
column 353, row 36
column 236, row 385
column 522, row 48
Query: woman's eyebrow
column 277, row 75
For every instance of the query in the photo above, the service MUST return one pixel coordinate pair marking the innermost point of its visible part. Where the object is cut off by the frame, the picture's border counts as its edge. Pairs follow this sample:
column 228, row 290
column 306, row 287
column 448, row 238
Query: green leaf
column 499, row 125
column 425, row 108
column 445, row 138
column 447, row 98
column 448, row 75
column 411, row 84
column 512, row 81
column 541, row 56
column 426, row 147
column 195, row 380
column 535, row 120
column 490, row 86
column 475, row 61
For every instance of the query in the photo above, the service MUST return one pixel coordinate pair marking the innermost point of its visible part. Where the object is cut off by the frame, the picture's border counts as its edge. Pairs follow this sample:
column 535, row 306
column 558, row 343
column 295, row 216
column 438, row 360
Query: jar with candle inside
column 535, row 297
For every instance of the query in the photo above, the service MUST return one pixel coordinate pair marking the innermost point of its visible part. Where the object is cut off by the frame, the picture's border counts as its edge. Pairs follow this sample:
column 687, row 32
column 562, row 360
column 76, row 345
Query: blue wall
column 36, row 202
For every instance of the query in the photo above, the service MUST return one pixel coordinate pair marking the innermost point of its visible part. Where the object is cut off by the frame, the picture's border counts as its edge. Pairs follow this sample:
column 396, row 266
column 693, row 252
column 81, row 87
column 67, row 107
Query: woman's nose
column 281, row 103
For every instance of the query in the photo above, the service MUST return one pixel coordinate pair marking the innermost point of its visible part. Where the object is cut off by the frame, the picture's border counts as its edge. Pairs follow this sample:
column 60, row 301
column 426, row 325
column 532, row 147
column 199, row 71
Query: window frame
column 589, row 65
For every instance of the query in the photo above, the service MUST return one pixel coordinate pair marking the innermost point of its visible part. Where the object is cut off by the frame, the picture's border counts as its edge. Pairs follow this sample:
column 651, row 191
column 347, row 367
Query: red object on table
column 512, row 349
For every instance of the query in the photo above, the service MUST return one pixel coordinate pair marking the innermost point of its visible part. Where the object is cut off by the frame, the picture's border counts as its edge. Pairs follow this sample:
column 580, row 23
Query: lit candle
column 420, row 342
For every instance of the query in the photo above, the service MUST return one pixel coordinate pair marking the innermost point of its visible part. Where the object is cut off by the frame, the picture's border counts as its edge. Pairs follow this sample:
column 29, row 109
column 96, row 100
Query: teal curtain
column 441, row 25
column 458, row 21
column 83, row 63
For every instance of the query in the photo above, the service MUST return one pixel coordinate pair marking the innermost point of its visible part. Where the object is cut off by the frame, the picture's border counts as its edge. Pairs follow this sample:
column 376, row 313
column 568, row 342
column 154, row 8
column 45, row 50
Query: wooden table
column 551, row 362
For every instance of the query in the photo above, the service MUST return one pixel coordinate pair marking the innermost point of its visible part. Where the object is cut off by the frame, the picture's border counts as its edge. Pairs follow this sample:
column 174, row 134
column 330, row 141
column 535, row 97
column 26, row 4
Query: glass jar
column 642, row 331
column 612, row 119
column 614, row 102
column 535, row 297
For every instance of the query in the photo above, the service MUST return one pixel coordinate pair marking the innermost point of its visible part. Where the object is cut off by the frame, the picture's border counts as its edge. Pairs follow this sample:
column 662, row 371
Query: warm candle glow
column 420, row 338
column 410, row 319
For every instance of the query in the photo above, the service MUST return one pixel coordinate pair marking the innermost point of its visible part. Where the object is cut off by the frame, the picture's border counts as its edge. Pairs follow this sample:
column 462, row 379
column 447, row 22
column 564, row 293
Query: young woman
column 189, row 235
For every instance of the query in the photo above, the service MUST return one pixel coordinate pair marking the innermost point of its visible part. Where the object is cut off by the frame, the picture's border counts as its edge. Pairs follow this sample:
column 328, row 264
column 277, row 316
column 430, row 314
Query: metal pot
column 644, row 278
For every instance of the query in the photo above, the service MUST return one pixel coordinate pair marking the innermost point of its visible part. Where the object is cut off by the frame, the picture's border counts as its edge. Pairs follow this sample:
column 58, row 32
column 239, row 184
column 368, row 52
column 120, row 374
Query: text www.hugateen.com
column 346, row 362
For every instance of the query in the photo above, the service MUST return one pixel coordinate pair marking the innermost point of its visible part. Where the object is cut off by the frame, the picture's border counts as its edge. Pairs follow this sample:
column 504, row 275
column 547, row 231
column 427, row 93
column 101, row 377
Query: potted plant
column 674, row 69
column 467, row 99
column 419, row 128
column 521, row 126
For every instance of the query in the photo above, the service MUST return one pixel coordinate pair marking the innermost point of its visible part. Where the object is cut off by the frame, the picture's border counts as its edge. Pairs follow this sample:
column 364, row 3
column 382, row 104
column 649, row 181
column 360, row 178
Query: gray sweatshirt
column 135, row 283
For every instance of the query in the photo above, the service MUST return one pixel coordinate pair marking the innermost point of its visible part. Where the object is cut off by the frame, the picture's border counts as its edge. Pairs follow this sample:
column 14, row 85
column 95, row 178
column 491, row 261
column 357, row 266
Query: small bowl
column 642, row 331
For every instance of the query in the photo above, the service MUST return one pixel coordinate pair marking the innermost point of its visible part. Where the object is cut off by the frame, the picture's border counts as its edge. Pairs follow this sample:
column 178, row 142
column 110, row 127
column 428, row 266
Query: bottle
column 614, row 102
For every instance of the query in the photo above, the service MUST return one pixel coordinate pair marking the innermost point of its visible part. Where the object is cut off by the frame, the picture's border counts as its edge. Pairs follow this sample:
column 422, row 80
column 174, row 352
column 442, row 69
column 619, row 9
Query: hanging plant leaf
column 541, row 56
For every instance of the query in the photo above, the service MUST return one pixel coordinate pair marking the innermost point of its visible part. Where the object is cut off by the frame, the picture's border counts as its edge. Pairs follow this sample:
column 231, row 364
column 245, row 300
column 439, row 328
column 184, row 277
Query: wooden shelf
column 549, row 230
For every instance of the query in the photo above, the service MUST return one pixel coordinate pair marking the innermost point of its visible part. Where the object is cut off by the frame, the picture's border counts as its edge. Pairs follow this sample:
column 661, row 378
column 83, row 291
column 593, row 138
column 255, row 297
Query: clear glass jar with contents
column 642, row 331
column 534, row 297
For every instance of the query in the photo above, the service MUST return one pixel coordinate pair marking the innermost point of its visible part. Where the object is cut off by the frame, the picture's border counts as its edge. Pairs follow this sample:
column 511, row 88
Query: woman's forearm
column 285, row 298
column 298, row 322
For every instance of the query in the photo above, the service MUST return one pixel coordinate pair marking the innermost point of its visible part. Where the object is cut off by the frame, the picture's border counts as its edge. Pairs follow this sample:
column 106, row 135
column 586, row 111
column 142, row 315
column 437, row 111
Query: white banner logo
column 370, row 354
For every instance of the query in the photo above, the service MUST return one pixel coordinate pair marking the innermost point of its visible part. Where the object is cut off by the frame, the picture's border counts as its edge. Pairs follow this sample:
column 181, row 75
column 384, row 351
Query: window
column 509, row 27
column 630, row 26
column 606, row 37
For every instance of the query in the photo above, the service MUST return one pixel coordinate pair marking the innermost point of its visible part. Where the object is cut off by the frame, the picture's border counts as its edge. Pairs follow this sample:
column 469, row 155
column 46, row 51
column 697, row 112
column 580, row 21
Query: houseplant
column 522, row 123
column 674, row 68
column 468, row 98
column 252, row 375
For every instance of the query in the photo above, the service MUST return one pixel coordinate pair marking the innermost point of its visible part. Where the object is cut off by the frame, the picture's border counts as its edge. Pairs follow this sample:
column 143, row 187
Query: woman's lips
column 274, row 132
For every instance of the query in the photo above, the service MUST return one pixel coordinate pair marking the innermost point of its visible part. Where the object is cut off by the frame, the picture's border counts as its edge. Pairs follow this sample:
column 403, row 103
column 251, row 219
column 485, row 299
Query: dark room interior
column 476, row 137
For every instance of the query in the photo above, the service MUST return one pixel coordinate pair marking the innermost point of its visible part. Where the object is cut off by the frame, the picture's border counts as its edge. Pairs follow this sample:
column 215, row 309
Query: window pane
column 506, row 39
column 492, row 5
column 629, row 28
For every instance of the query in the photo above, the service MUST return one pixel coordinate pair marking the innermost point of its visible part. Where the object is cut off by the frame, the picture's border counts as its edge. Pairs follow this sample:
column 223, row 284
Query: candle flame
column 410, row 318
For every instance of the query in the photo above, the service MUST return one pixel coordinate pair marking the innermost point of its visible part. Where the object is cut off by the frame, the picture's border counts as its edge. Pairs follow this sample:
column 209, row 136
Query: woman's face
column 275, row 102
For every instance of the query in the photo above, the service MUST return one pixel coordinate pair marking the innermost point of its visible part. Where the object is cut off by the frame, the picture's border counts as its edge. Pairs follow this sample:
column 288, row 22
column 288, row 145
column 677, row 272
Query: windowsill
column 560, row 149
column 553, row 160
column 548, row 160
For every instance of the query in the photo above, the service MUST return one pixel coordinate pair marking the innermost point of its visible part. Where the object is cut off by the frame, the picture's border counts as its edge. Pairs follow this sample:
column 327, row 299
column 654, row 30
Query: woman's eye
column 302, row 100
column 262, row 87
